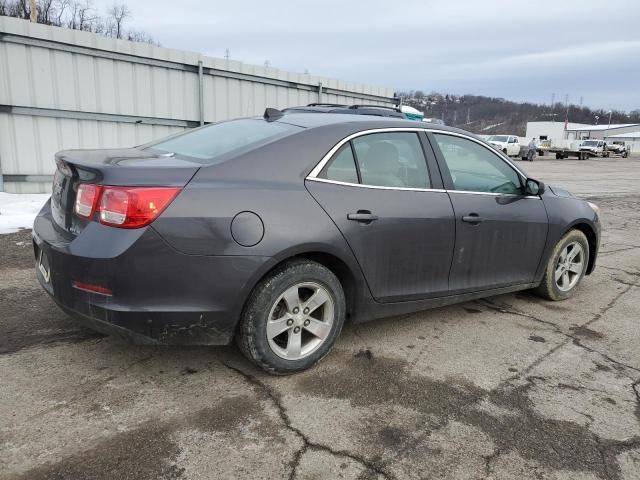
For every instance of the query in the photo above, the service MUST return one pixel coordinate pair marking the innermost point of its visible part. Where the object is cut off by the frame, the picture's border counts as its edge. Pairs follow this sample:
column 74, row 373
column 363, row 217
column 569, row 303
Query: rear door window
column 392, row 160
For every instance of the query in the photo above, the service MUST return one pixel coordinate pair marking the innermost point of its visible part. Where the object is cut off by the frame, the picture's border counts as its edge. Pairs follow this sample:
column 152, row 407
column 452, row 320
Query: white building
column 555, row 131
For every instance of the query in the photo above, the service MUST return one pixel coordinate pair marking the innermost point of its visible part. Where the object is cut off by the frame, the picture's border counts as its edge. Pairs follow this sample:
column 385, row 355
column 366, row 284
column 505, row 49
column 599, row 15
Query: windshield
column 498, row 138
column 212, row 144
column 591, row 143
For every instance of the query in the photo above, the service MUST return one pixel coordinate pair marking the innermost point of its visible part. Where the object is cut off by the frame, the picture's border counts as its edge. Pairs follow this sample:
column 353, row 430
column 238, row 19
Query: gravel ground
column 506, row 387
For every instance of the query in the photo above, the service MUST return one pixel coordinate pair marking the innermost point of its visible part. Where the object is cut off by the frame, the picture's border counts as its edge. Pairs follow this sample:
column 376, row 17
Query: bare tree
column 86, row 16
column 72, row 18
column 119, row 13
column 24, row 7
column 61, row 7
column 44, row 11
column 78, row 15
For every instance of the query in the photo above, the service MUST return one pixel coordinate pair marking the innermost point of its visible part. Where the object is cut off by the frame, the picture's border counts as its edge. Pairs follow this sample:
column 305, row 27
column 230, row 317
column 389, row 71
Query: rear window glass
column 214, row 143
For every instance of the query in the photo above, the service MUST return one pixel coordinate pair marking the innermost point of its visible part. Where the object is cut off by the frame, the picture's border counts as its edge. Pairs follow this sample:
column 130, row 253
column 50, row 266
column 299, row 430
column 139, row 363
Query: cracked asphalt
column 509, row 387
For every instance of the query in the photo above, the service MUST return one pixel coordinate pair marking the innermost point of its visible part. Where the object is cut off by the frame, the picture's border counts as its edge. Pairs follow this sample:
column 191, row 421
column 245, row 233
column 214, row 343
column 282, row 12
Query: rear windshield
column 591, row 143
column 498, row 138
column 215, row 143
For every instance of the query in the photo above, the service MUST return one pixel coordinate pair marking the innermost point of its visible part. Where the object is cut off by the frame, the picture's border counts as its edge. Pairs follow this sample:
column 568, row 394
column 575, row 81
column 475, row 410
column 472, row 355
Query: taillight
column 128, row 207
column 86, row 200
column 134, row 207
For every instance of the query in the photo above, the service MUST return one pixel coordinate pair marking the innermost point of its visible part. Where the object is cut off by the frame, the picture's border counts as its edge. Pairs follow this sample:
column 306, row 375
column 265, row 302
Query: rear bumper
column 160, row 296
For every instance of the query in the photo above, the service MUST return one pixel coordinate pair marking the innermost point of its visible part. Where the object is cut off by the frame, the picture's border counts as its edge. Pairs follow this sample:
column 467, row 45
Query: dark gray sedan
column 276, row 230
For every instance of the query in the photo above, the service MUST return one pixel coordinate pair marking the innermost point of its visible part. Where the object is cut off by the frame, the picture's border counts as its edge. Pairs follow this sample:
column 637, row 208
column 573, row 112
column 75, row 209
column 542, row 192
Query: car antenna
column 272, row 114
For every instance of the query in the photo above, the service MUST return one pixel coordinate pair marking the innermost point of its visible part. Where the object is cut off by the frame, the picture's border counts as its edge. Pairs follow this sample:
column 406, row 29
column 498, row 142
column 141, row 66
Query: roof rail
column 326, row 105
column 384, row 107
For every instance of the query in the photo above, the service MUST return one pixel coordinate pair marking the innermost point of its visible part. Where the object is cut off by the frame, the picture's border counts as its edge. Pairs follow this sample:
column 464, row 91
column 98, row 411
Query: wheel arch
column 346, row 269
column 592, row 238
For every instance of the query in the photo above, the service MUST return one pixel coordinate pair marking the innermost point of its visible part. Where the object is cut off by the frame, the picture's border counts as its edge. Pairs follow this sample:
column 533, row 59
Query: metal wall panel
column 62, row 89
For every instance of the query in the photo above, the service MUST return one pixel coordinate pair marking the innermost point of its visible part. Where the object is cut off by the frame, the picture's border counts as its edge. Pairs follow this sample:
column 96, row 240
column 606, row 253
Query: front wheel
column 566, row 267
column 292, row 318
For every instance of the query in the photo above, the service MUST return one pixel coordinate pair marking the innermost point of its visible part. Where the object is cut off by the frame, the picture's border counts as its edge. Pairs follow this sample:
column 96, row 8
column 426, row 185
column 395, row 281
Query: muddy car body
column 277, row 236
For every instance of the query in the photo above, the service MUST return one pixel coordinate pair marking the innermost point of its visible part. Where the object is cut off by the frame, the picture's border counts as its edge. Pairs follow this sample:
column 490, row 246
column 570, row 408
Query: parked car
column 276, row 230
column 593, row 146
column 508, row 144
column 617, row 148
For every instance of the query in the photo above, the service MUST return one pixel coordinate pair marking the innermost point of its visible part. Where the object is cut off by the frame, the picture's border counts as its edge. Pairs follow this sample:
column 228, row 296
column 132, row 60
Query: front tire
column 566, row 267
column 292, row 318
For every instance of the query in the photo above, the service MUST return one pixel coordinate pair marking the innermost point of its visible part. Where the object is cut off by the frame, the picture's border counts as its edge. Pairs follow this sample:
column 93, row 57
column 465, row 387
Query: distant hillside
column 486, row 115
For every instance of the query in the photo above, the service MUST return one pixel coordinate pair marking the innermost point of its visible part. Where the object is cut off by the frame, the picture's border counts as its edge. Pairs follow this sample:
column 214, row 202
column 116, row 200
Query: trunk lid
column 116, row 167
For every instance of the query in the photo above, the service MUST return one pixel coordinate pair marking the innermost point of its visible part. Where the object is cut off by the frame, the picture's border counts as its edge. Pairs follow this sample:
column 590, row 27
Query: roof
column 603, row 127
column 625, row 135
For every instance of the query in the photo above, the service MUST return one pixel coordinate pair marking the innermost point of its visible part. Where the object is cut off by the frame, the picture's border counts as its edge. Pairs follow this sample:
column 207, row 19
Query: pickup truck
column 594, row 146
column 508, row 144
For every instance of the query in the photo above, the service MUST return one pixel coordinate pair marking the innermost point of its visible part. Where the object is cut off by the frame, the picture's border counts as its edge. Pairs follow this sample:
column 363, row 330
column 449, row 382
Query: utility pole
column 34, row 12
column 455, row 117
column 610, row 112
column 553, row 100
column 468, row 115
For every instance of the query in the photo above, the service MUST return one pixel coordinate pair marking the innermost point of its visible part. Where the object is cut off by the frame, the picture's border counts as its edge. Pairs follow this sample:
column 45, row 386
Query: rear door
column 500, row 231
column 388, row 202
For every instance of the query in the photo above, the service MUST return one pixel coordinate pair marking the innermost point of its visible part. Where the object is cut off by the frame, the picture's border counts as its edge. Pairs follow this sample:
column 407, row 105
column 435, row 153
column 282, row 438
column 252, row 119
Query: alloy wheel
column 569, row 266
column 300, row 320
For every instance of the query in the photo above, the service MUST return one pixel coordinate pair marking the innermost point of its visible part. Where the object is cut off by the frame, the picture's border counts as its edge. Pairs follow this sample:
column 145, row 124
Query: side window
column 475, row 168
column 342, row 167
column 392, row 160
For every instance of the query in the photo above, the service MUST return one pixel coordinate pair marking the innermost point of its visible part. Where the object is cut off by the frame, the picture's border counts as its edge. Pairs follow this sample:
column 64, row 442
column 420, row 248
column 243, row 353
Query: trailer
column 581, row 154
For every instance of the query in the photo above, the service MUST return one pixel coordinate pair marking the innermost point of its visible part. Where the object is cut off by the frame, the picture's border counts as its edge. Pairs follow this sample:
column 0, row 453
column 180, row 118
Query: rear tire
column 565, row 268
column 306, row 301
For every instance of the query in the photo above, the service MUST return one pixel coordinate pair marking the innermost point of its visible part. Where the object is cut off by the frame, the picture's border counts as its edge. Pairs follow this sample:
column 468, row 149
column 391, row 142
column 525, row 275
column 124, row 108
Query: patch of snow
column 19, row 210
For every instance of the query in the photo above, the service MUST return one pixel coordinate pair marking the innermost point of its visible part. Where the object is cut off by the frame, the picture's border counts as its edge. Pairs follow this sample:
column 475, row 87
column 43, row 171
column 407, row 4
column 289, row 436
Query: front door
column 500, row 231
column 378, row 190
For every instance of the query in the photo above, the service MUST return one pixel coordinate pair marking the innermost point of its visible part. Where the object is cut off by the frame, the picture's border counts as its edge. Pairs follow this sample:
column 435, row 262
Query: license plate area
column 44, row 267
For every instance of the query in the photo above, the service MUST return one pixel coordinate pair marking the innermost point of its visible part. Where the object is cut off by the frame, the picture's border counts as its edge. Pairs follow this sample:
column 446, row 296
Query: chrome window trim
column 408, row 189
column 318, row 168
column 494, row 194
column 376, row 187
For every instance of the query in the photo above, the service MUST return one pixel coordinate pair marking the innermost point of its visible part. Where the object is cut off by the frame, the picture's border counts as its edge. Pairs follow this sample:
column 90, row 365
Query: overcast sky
column 520, row 50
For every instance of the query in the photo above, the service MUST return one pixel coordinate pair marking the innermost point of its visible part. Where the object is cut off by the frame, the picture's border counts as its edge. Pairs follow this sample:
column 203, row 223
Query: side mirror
column 534, row 187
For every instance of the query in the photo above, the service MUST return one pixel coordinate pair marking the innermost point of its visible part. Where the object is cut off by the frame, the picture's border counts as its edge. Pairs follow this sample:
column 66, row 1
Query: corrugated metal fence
column 64, row 89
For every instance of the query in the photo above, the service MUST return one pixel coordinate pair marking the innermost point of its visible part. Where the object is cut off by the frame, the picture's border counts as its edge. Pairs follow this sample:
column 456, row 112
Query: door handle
column 363, row 216
column 472, row 218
